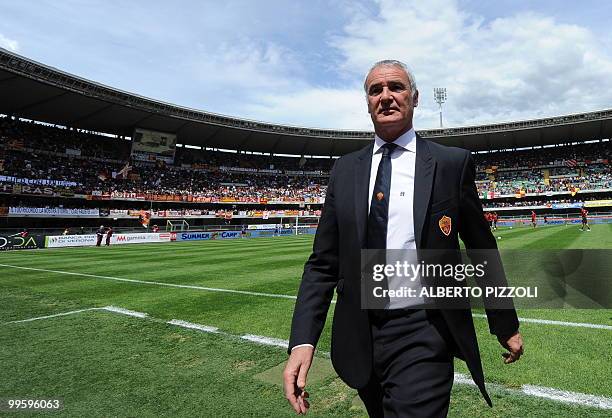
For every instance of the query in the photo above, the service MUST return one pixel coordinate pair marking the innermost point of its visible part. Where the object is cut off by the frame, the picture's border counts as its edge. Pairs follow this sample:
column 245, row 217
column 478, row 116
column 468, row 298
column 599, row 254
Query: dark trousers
column 413, row 366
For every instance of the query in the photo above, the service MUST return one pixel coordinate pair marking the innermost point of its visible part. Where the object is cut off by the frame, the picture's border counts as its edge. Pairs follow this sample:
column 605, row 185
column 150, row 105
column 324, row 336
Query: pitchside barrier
column 55, row 241
column 200, row 236
column 555, row 220
column 249, row 233
column 17, row 242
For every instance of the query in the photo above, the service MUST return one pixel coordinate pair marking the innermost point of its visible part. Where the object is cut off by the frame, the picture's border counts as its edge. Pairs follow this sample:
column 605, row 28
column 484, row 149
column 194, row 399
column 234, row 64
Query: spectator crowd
column 99, row 164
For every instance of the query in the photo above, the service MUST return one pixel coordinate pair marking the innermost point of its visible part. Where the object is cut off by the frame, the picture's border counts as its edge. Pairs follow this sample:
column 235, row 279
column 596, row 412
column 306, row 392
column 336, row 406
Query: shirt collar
column 406, row 141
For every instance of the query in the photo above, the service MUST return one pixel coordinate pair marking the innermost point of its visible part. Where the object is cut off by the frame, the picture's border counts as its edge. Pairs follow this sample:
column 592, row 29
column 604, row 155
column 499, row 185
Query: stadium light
column 440, row 97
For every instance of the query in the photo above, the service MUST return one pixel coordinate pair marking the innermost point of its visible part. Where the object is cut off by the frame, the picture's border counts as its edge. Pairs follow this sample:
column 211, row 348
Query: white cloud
column 9, row 44
column 246, row 66
column 515, row 67
column 313, row 107
column 307, row 68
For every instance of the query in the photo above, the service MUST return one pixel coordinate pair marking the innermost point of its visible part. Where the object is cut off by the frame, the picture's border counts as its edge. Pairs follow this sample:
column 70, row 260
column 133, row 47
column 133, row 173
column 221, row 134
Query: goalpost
column 177, row 225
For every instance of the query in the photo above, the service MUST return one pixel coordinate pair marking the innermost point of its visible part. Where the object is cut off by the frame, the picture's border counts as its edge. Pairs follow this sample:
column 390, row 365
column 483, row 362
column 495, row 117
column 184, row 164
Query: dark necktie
column 378, row 220
column 379, row 206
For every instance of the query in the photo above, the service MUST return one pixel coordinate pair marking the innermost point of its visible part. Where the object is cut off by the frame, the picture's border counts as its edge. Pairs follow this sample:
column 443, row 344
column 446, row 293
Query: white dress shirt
column 400, row 226
column 400, row 221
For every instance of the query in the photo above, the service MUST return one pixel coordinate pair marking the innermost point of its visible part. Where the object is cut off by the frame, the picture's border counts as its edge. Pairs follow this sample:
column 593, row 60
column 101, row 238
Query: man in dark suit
column 399, row 192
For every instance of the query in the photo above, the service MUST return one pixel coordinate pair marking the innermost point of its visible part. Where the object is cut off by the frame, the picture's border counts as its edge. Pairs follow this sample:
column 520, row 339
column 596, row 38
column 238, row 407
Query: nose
column 386, row 96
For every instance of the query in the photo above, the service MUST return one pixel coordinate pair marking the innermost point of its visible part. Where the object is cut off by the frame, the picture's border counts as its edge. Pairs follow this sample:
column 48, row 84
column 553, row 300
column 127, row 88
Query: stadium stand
column 218, row 175
column 77, row 160
column 92, row 164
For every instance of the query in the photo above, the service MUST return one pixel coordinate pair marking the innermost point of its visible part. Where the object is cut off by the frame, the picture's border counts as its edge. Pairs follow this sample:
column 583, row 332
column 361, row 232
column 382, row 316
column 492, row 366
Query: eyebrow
column 390, row 82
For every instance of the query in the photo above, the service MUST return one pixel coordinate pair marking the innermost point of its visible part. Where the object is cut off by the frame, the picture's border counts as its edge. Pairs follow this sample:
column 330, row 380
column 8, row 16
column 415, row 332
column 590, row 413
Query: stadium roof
column 35, row 91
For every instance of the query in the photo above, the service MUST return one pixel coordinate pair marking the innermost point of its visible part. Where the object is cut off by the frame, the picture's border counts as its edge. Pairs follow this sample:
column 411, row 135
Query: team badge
column 446, row 225
column 380, row 196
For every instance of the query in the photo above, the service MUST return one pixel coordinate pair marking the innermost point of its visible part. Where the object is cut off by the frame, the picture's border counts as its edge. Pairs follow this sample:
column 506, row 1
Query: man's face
column 390, row 100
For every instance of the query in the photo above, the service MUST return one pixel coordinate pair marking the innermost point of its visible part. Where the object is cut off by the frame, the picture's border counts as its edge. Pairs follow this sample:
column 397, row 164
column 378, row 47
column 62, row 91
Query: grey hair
column 392, row 63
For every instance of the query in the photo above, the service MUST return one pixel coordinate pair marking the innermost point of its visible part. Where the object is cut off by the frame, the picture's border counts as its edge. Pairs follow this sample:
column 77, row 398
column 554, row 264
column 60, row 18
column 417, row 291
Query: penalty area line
column 560, row 323
column 279, row 295
column 551, row 394
column 557, row 395
column 37, row 318
column 109, row 308
column 179, row 286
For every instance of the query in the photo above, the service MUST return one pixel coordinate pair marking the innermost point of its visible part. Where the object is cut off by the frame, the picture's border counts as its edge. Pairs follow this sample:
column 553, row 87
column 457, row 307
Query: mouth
column 388, row 111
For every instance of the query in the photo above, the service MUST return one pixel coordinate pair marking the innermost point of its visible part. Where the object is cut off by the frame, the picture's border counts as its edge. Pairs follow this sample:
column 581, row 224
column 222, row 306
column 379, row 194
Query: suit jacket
column 443, row 185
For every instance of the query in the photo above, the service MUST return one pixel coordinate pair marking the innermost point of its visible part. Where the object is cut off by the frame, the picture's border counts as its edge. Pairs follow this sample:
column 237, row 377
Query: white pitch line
column 53, row 316
column 462, row 379
column 180, row 286
column 564, row 396
column 557, row 395
column 191, row 325
column 277, row 342
column 279, row 295
column 125, row 311
column 560, row 323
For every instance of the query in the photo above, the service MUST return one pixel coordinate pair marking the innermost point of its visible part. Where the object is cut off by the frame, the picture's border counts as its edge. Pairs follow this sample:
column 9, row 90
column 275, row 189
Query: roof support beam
column 210, row 137
column 244, row 140
column 89, row 115
column 139, row 121
column 39, row 102
column 4, row 80
column 180, row 128
column 332, row 149
column 303, row 150
column 275, row 145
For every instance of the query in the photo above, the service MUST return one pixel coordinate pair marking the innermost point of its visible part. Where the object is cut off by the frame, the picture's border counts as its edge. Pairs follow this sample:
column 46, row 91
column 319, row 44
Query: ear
column 415, row 99
column 368, row 105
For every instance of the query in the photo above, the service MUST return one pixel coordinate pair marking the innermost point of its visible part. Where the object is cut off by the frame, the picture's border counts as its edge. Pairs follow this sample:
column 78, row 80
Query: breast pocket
column 443, row 205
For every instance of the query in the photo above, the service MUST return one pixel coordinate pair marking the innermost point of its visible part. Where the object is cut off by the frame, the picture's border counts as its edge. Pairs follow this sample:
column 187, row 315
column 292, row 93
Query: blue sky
column 303, row 62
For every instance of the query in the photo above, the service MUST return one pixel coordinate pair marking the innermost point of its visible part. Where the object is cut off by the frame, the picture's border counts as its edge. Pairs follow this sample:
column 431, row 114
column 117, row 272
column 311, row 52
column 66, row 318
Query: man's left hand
column 514, row 344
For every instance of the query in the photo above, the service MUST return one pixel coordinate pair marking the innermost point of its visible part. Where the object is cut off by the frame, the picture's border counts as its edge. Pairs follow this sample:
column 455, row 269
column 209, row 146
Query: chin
column 391, row 119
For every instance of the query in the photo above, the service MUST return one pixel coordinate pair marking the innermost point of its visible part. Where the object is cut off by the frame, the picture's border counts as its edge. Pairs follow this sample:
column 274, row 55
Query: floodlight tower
column 440, row 97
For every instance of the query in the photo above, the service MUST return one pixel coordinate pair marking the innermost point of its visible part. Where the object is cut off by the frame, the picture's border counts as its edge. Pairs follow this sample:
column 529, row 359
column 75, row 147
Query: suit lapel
column 361, row 182
column 423, row 182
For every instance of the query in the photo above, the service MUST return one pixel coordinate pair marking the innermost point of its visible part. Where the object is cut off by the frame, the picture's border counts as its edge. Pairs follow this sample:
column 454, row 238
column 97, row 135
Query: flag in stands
column 571, row 163
column 144, row 218
column 123, row 173
column 15, row 144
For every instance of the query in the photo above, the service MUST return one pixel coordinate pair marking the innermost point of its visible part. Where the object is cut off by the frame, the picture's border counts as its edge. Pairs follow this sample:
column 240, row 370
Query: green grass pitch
column 105, row 364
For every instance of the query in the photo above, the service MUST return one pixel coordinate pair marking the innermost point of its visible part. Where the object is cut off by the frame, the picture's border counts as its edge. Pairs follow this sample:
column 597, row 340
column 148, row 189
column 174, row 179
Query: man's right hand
column 295, row 375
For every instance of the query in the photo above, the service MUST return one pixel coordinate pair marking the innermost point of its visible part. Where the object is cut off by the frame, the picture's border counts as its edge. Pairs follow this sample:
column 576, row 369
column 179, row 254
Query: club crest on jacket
column 445, row 223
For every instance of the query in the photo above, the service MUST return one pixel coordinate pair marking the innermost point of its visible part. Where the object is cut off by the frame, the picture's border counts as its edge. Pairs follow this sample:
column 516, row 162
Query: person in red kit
column 109, row 234
column 533, row 219
column 585, row 222
column 155, row 228
column 489, row 219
